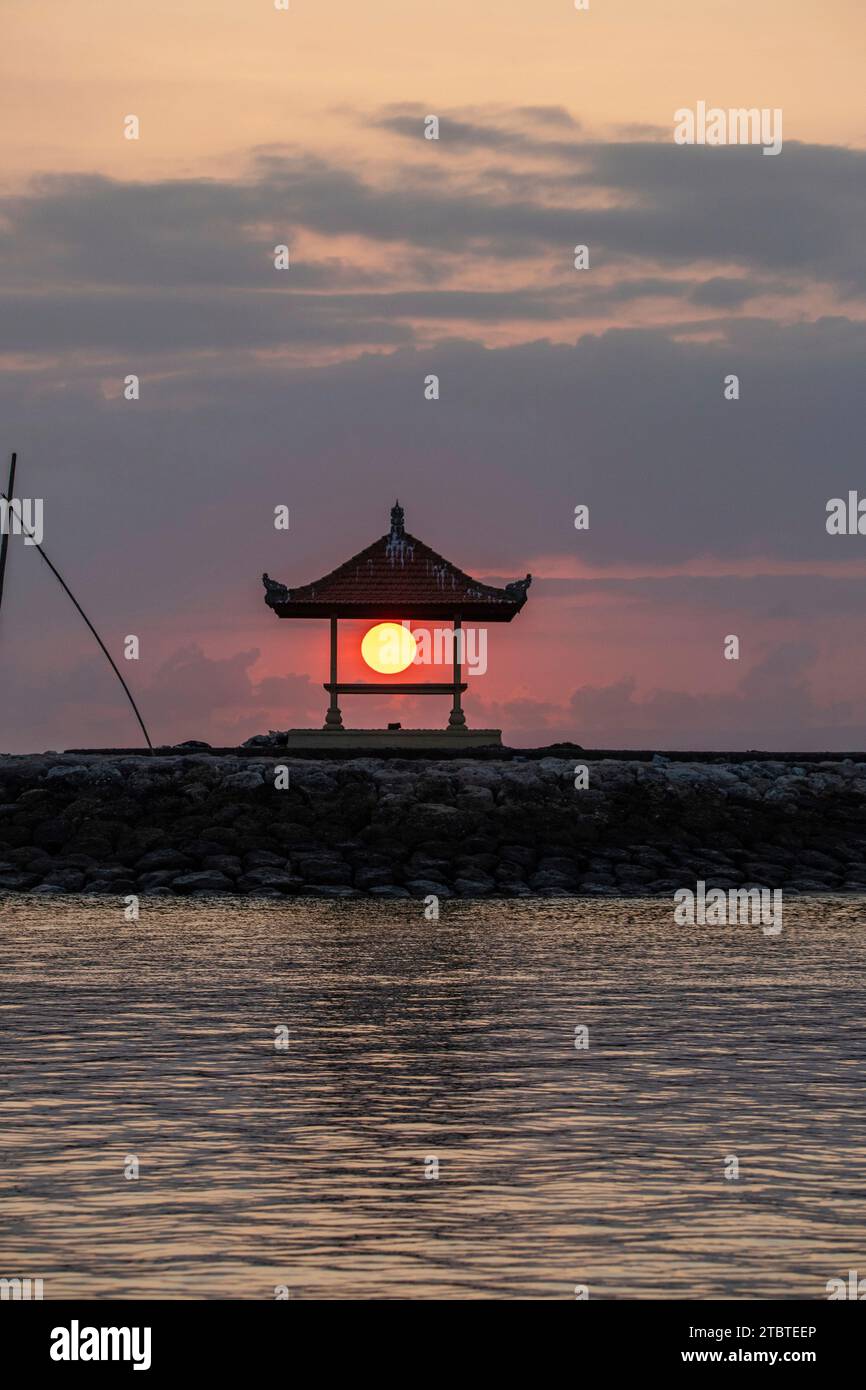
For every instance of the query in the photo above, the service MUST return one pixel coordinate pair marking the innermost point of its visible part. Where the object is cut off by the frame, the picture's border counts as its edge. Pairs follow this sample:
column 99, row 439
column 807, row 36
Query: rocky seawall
column 393, row 828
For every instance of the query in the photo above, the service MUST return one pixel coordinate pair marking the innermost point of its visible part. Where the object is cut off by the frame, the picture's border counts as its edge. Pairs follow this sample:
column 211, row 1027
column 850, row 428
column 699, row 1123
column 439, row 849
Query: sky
column 559, row 387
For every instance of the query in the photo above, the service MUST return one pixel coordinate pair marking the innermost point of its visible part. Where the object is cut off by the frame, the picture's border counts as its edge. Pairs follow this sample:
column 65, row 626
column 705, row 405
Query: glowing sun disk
column 388, row 648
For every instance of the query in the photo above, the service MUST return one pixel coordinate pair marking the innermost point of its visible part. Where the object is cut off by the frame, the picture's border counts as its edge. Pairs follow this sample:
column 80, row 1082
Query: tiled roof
column 397, row 576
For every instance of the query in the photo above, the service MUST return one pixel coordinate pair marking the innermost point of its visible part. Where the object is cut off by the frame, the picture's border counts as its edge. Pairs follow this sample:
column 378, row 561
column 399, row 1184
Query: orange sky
column 210, row 78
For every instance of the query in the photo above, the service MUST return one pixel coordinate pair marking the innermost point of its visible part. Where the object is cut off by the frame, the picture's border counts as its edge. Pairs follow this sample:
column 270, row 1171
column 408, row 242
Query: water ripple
column 410, row 1040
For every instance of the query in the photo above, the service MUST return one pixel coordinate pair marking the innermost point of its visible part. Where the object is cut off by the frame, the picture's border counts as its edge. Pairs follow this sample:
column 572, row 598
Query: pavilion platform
column 374, row 740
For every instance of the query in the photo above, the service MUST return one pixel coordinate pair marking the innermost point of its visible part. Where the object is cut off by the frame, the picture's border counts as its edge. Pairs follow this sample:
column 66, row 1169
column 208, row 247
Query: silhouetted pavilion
column 396, row 578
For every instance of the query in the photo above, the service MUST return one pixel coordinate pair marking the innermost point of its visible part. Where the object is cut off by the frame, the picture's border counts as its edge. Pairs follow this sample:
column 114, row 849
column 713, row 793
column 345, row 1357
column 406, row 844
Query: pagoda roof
column 398, row 577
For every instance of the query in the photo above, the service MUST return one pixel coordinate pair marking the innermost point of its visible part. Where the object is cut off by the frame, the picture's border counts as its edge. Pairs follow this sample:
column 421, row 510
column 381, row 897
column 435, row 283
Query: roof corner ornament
column 518, row 589
column 274, row 592
column 397, row 519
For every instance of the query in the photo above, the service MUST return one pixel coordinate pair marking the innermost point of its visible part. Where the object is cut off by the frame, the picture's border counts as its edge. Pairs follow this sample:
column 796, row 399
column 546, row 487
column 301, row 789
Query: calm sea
column 413, row 1043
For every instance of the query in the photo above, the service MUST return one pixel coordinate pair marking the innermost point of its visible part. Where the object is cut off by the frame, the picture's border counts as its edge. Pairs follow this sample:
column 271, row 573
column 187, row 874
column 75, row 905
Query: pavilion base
column 371, row 739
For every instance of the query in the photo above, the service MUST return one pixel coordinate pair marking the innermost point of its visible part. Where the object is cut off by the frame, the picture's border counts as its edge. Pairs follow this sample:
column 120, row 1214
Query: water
column 412, row 1039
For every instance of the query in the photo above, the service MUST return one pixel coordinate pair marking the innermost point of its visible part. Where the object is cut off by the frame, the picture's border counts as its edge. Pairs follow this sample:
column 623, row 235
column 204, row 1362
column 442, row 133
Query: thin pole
column 59, row 577
column 4, row 541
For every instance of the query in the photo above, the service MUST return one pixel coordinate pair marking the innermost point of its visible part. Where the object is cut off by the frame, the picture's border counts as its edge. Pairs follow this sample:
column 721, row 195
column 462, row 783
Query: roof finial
column 397, row 519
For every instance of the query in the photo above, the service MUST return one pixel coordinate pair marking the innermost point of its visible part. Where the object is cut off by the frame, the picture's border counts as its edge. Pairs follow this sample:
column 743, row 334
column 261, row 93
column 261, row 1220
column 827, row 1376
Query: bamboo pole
column 4, row 540
column 59, row 577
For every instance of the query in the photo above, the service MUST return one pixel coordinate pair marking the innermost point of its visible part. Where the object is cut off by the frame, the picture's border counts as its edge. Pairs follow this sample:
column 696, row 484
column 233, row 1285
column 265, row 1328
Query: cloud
column 189, row 695
column 656, row 206
column 633, row 424
column 772, row 707
column 730, row 292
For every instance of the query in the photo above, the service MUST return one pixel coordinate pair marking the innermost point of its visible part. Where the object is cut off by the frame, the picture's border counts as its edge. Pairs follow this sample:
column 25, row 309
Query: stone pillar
column 333, row 718
column 457, row 719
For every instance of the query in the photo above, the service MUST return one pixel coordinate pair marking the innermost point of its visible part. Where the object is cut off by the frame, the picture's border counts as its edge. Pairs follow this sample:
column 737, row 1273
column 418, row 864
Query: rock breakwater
column 393, row 828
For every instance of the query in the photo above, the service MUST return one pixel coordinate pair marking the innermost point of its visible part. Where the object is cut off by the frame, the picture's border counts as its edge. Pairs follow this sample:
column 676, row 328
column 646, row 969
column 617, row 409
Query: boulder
column 270, row 880
column 425, row 888
column 69, row 880
column 227, row 864
column 366, row 878
column 322, row 869
column 330, row 890
column 164, row 859
column 18, row 883
column 157, row 878
column 250, row 779
column 547, row 881
column 205, row 881
column 473, row 887
column 263, row 859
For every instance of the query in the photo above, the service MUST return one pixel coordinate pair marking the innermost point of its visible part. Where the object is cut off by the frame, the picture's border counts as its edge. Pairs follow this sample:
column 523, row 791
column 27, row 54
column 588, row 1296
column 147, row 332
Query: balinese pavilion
column 397, row 580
